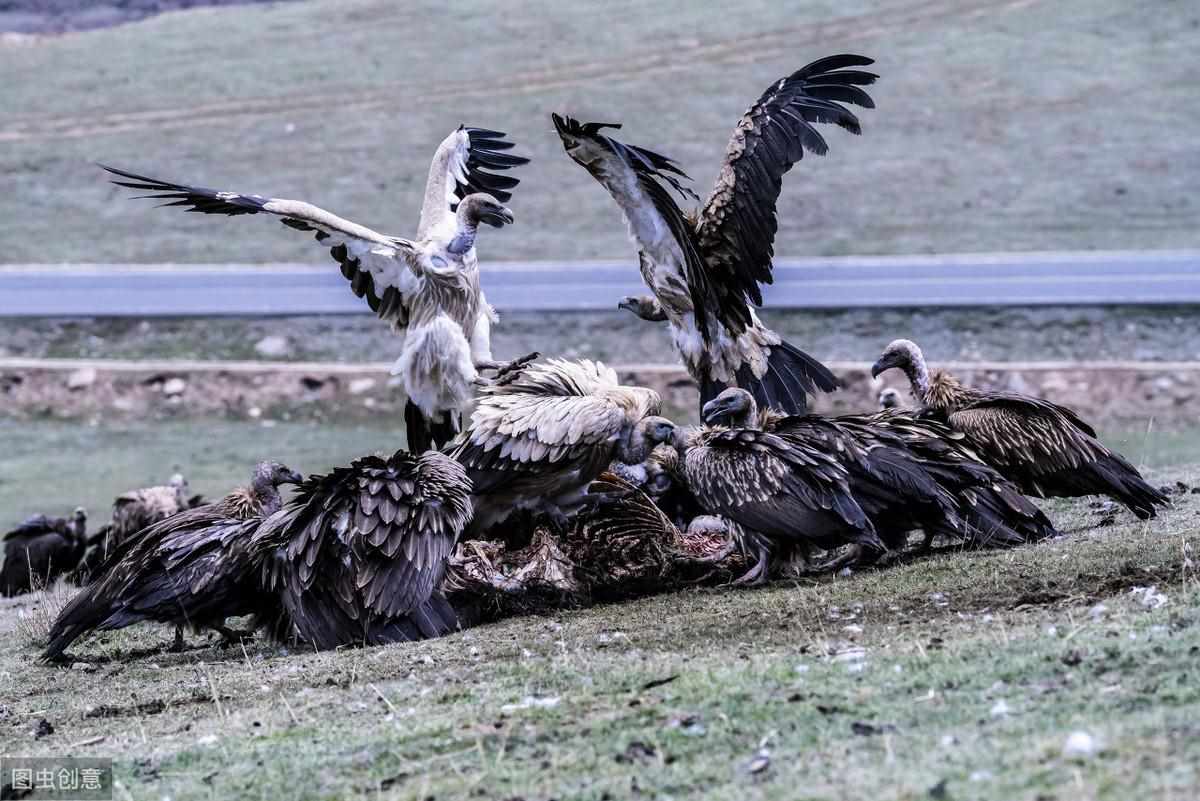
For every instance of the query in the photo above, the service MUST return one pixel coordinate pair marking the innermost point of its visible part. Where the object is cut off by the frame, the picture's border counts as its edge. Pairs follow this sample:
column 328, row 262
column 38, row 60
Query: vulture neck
column 468, row 226
column 918, row 377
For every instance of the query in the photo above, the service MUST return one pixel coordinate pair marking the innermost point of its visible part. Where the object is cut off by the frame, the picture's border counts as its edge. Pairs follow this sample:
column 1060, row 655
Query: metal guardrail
column 1019, row 279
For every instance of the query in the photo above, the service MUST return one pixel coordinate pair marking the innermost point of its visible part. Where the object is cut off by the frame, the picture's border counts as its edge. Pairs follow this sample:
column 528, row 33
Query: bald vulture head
column 903, row 354
column 646, row 435
column 889, row 398
column 734, row 407
column 481, row 207
column 79, row 522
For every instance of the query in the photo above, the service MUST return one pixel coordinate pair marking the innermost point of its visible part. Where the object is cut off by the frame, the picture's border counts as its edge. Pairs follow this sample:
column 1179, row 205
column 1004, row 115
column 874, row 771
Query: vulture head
column 649, row 432
column 889, row 398
column 900, row 353
column 480, row 207
column 643, row 306
column 79, row 523
column 273, row 474
column 734, row 407
column 602, row 155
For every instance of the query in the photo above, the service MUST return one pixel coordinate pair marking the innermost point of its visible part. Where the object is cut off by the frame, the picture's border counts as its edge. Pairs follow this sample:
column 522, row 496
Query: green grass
column 974, row 669
column 52, row 466
column 1002, row 124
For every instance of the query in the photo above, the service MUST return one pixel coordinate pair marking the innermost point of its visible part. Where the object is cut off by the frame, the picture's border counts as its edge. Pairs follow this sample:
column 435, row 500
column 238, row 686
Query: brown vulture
column 704, row 269
column 902, row 481
column 131, row 512
column 40, row 550
column 785, row 490
column 190, row 569
column 427, row 288
column 538, row 438
column 358, row 555
column 1045, row 449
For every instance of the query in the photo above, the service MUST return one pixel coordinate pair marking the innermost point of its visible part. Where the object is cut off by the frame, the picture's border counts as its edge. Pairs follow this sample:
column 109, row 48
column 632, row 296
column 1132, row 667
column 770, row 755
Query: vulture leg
column 851, row 558
column 178, row 646
column 757, row 575
column 505, row 371
column 230, row 636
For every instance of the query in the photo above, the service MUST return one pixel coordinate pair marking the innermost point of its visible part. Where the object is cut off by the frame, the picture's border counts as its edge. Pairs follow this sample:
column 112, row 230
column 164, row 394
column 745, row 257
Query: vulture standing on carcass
column 131, row 512
column 357, row 557
column 540, row 436
column 40, row 550
column 1044, row 448
column 191, row 569
column 704, row 269
column 427, row 288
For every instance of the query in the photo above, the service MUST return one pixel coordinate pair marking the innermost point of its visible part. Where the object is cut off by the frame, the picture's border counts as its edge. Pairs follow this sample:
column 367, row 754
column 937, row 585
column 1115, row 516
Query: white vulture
column 704, row 268
column 427, row 287
column 541, row 435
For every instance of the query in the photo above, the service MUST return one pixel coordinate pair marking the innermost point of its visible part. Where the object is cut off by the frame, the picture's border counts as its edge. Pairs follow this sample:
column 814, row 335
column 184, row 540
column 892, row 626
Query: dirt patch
column 60, row 16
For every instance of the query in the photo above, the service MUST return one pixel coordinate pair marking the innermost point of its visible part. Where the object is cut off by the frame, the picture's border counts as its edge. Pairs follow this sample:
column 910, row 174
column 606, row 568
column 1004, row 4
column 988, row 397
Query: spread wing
column 737, row 226
column 375, row 264
column 460, row 167
column 365, row 544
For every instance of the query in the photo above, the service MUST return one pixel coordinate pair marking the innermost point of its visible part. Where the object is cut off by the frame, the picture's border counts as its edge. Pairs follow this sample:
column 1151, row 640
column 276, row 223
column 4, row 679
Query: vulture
column 358, row 555
column 40, row 550
column 704, row 269
column 542, row 434
column 190, row 569
column 903, row 478
column 426, row 287
column 787, row 490
column 131, row 512
column 1045, row 449
column 890, row 398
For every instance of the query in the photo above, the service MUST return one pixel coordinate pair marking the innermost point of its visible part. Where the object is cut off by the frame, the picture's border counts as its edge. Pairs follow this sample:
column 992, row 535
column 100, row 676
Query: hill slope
column 1002, row 124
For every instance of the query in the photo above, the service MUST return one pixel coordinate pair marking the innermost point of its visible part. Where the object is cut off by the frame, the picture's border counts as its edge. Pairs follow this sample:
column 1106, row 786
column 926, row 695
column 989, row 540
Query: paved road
column 277, row 289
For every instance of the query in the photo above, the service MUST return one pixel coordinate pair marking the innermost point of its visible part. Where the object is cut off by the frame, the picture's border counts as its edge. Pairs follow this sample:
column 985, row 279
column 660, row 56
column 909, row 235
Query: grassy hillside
column 1002, row 124
column 961, row 676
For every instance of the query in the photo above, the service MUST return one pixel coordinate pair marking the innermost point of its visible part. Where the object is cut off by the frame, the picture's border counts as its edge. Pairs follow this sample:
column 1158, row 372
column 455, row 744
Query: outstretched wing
column 376, row 265
column 1027, row 435
column 737, row 226
column 460, row 167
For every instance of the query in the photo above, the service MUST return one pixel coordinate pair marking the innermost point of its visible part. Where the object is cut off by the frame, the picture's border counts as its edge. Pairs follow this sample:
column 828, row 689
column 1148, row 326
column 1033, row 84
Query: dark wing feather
column 362, row 549
column 355, row 247
column 737, row 226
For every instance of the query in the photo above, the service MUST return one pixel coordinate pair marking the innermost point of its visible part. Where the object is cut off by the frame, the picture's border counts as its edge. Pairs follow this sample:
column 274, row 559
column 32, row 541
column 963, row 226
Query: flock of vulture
column 564, row 483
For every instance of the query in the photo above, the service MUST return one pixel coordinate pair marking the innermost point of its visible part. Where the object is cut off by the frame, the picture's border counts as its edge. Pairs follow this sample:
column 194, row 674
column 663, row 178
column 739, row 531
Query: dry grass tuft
column 33, row 624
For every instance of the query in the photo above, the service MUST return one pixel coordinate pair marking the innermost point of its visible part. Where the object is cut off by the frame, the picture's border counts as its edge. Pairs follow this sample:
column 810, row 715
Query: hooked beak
column 878, row 367
column 293, row 477
column 713, row 411
column 498, row 218
column 628, row 304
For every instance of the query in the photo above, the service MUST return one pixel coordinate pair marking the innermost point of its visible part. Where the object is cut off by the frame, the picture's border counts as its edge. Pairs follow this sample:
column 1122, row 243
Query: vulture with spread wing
column 427, row 287
column 190, row 569
column 40, row 550
column 1044, row 448
column 131, row 512
column 538, row 438
column 705, row 269
column 358, row 556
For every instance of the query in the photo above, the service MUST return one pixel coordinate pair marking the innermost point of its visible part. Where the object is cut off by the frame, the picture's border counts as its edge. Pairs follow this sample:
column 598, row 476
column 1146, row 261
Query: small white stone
column 81, row 378
column 254, row 412
column 980, row 775
column 208, row 739
column 273, row 347
column 1098, row 611
column 360, row 385
column 1000, row 709
column 174, row 387
column 1080, row 745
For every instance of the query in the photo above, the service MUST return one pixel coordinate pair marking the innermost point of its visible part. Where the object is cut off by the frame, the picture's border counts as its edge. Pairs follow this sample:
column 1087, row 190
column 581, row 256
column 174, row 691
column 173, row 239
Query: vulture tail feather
column 1112, row 476
column 426, row 434
column 790, row 377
